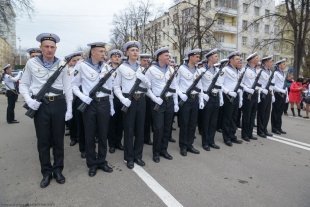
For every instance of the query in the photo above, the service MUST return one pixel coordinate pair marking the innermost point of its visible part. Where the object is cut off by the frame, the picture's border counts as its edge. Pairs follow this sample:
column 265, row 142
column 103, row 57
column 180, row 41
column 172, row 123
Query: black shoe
column 73, row 142
column 254, row 138
column 220, row 130
column 282, row 132
column 130, row 164
column 174, row 129
column 276, row 132
column 166, row 155
column 13, row 122
column 214, row 146
column 246, row 139
column 171, row 139
column 106, row 168
column 112, row 150
column 206, row 147
column 193, row 150
column 120, row 147
column 228, row 143
column 83, row 155
column 268, row 134
column 156, row 158
column 45, row 181
column 92, row 171
column 149, row 142
column 236, row 141
column 262, row 135
column 183, row 152
column 59, row 177
column 140, row 162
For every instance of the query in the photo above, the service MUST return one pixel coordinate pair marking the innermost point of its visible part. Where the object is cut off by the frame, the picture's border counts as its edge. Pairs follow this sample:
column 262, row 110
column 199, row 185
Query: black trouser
column 134, row 129
column 49, row 122
column 116, row 129
column 200, row 121
column 277, row 111
column 209, row 120
column 230, row 115
column 249, row 109
column 148, row 120
column 12, row 98
column 263, row 113
column 96, row 123
column 78, row 119
column 239, row 117
column 162, row 122
column 220, row 119
column 188, row 115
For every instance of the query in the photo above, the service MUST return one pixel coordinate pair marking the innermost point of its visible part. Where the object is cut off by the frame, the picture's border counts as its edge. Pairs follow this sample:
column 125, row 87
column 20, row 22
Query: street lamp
column 20, row 57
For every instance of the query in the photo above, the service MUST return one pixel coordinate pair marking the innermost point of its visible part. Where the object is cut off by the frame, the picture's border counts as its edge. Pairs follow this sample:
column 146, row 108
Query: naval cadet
column 34, row 52
column 52, row 113
column 281, row 97
column 134, row 117
column 188, row 113
column 158, row 74
column 232, row 99
column 97, row 114
column 250, row 97
column 215, row 100
column 264, row 106
column 116, row 128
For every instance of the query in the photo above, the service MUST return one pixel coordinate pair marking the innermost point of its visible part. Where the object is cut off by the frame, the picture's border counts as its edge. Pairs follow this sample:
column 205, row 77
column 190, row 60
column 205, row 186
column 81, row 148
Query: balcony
column 228, row 46
column 225, row 28
column 227, row 11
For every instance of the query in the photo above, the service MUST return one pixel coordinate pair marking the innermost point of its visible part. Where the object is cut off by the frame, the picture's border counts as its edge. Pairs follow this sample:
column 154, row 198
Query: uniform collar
column 47, row 64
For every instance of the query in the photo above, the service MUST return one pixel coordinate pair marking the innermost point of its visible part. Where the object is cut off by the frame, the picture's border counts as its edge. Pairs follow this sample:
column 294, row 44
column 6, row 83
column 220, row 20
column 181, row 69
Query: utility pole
column 20, row 57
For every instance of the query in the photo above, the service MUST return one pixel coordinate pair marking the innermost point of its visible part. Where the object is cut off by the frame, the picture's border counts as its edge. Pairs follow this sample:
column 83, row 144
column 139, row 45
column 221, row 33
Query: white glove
column 205, row 97
column 239, row 90
column 265, row 91
column 126, row 102
column 112, row 111
column 221, row 102
column 68, row 115
column 86, row 99
column 176, row 108
column 287, row 100
column 158, row 100
column 273, row 99
column 201, row 105
column 232, row 93
column 271, row 88
column 249, row 90
column 183, row 97
column 33, row 104
column 283, row 91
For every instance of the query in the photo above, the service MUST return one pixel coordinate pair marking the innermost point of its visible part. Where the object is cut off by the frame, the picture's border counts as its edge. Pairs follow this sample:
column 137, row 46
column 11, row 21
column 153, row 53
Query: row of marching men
column 104, row 90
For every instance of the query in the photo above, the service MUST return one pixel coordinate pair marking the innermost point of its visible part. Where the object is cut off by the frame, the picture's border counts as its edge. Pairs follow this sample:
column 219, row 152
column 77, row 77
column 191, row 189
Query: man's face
column 194, row 59
column 282, row 66
column 116, row 59
column 144, row 62
column 74, row 60
column 239, row 64
column 255, row 60
column 235, row 61
column 98, row 53
column 48, row 49
column 35, row 54
column 269, row 64
column 164, row 58
column 213, row 59
column 133, row 53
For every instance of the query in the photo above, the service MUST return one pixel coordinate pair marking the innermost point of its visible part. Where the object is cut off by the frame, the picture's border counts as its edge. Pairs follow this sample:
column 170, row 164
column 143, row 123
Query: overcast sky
column 77, row 22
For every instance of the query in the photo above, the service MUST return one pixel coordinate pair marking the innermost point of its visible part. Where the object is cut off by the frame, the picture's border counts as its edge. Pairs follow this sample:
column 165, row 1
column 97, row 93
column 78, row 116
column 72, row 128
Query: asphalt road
column 260, row 173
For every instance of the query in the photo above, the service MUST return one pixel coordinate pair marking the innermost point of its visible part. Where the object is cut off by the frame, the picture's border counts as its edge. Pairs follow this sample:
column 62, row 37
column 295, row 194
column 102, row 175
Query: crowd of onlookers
column 299, row 96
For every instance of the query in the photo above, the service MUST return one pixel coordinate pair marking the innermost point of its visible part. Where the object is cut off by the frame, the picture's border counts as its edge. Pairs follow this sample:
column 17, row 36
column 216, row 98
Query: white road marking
column 297, row 117
column 160, row 191
column 289, row 143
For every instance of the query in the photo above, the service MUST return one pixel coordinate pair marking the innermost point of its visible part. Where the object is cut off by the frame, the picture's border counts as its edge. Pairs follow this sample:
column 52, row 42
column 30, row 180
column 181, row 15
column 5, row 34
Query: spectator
column 307, row 98
column 295, row 95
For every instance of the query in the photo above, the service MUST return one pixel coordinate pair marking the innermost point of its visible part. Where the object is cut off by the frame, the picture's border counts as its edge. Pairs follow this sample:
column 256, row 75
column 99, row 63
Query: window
column 267, row 29
column 168, row 21
column 216, row 2
column 175, row 46
column 267, row 12
column 244, row 41
column 164, row 23
column 175, row 31
column 208, row 5
column 256, row 10
column 245, row 8
column 220, row 37
column 256, row 27
column 243, row 56
column 255, row 41
column 244, row 25
column 220, row 21
column 175, row 17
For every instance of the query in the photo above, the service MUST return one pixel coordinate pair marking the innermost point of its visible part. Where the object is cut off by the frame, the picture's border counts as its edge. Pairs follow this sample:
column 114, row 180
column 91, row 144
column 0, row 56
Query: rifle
column 134, row 88
column 269, row 83
column 230, row 98
column 167, row 89
column 193, row 87
column 212, row 85
column 255, row 83
column 45, row 88
column 97, row 88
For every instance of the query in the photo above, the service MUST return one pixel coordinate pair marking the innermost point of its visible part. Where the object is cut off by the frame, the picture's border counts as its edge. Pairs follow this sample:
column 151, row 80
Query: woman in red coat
column 295, row 96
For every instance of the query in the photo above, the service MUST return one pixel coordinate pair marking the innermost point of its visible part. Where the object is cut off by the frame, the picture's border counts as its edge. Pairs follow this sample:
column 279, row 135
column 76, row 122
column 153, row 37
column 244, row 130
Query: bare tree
column 8, row 6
